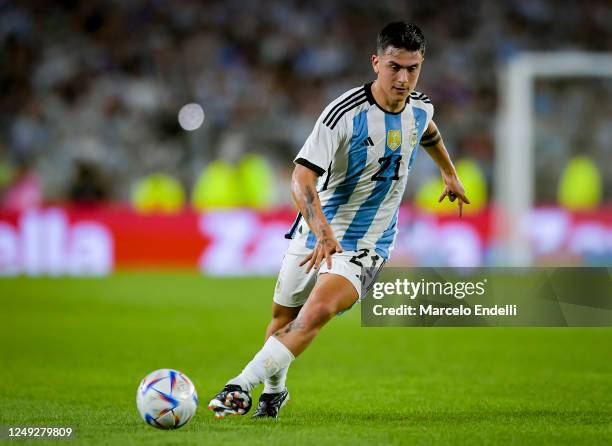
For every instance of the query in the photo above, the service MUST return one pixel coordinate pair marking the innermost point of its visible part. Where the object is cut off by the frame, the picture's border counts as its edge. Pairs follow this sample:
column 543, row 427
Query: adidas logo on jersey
column 368, row 142
column 420, row 97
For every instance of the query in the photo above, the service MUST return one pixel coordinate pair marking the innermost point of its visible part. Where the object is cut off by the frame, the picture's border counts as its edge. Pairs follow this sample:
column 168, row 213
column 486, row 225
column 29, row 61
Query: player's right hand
column 324, row 249
column 453, row 189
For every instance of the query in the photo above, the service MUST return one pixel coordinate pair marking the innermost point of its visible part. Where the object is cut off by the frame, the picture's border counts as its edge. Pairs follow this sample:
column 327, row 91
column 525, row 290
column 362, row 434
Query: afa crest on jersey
column 413, row 137
column 394, row 139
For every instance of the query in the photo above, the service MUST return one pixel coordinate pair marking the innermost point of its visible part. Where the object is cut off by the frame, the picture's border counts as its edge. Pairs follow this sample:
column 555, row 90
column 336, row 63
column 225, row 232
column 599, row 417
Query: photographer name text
column 412, row 290
column 432, row 310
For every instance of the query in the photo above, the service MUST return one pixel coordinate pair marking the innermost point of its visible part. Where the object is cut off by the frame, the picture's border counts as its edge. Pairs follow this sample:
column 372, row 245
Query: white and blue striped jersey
column 363, row 156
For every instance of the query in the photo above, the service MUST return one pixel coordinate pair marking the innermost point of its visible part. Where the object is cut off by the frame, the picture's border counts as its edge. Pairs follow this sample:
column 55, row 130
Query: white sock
column 270, row 360
column 276, row 383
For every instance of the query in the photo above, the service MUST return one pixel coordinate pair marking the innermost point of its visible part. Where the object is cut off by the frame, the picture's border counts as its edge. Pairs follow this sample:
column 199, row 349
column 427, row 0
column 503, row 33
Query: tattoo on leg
column 295, row 324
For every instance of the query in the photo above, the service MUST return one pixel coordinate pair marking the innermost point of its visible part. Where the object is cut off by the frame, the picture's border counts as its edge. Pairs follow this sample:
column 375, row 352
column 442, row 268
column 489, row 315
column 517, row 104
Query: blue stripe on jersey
column 357, row 158
column 420, row 118
column 383, row 243
column 367, row 211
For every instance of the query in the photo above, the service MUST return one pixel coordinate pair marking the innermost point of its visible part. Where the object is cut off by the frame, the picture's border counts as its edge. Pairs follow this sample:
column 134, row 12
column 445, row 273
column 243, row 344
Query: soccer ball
column 166, row 399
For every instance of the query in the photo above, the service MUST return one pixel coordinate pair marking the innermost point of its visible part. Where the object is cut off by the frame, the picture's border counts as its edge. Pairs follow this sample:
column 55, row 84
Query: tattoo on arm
column 309, row 210
column 317, row 226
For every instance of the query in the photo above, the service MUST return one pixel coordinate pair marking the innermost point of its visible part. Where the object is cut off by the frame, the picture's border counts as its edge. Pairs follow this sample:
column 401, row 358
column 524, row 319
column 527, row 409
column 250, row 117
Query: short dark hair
column 401, row 35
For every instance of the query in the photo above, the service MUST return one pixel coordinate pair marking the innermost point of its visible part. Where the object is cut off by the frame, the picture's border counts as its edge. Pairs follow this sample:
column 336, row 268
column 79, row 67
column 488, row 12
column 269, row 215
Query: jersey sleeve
column 423, row 102
column 321, row 145
column 429, row 108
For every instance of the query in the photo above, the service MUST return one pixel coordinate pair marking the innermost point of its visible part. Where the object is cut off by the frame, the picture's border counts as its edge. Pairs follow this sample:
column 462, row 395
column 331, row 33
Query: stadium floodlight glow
column 514, row 157
column 191, row 116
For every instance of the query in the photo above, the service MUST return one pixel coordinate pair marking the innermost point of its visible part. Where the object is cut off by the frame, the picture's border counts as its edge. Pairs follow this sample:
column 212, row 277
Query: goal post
column 514, row 145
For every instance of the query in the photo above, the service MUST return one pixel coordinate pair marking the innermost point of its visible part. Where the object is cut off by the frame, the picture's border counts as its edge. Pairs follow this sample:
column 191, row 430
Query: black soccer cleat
column 232, row 400
column 270, row 404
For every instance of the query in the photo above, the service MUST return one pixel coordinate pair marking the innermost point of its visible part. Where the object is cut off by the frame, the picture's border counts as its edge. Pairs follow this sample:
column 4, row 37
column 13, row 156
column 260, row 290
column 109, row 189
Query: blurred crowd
column 90, row 90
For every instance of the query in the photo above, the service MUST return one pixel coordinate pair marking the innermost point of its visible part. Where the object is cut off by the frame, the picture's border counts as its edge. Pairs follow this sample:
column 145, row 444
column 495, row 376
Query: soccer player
column 348, row 183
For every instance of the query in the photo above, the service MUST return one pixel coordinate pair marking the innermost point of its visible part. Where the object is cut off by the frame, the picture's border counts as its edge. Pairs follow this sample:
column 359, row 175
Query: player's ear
column 375, row 63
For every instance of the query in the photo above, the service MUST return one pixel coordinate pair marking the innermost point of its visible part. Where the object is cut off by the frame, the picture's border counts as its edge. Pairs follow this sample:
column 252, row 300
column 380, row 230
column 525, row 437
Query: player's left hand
column 323, row 251
column 453, row 189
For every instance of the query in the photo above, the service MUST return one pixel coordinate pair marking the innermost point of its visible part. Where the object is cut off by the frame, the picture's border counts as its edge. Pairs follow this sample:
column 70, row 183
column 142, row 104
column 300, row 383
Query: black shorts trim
column 296, row 222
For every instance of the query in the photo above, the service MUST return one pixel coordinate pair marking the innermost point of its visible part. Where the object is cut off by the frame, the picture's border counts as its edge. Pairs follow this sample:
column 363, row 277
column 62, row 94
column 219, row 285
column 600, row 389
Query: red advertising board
column 98, row 241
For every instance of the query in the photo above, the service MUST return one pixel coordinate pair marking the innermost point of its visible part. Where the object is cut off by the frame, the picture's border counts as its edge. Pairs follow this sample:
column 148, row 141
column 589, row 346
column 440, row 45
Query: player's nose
column 402, row 76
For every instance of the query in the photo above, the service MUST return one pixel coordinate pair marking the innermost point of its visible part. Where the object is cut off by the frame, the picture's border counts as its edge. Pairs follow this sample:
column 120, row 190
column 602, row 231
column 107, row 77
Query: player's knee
column 278, row 322
column 283, row 315
column 317, row 315
column 278, row 313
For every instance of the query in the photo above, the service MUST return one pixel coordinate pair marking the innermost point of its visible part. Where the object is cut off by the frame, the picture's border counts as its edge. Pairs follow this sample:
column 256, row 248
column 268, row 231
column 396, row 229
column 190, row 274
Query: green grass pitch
column 74, row 350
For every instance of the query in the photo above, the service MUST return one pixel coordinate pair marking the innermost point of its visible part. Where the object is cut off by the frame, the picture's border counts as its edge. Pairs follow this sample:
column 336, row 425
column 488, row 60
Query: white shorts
column 294, row 285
